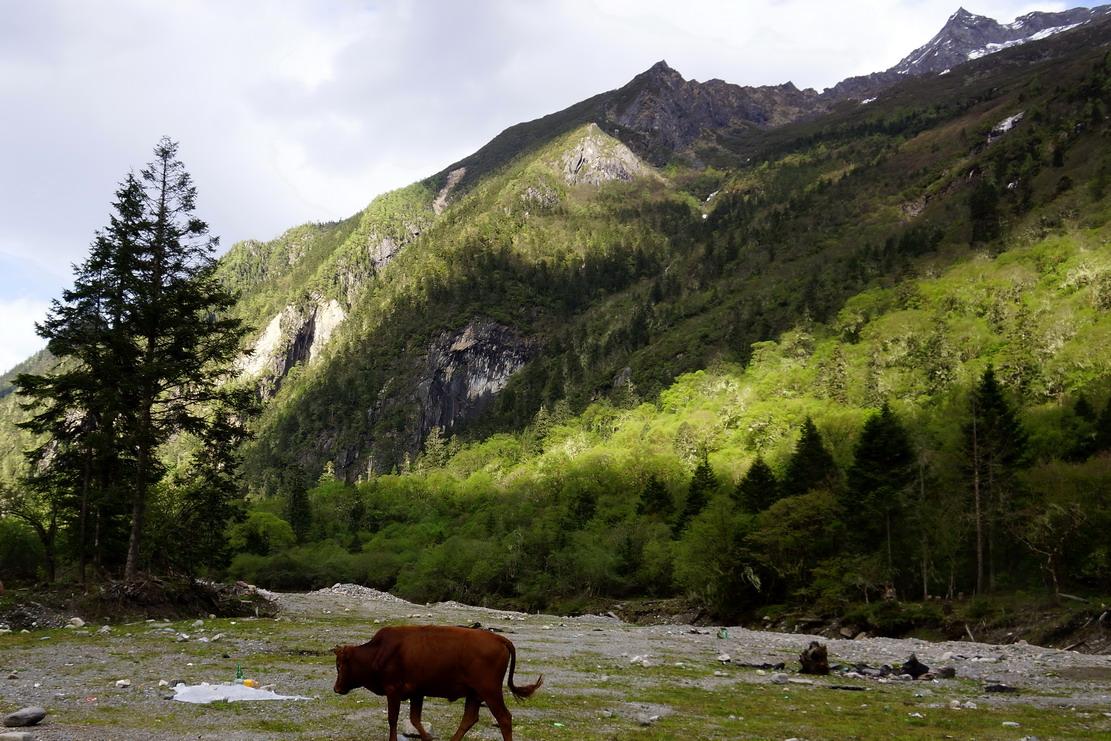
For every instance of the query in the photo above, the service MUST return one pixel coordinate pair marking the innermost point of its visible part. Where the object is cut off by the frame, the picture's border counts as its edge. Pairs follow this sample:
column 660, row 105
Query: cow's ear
column 338, row 650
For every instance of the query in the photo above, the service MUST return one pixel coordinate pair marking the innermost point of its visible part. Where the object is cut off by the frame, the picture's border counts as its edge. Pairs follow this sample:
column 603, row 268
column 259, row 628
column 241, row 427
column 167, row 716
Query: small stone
column 76, row 622
column 25, row 717
column 163, row 683
column 104, row 630
column 13, row 675
column 1010, row 724
column 779, row 678
column 198, row 624
column 410, row 731
column 16, row 736
column 123, row 683
column 724, row 658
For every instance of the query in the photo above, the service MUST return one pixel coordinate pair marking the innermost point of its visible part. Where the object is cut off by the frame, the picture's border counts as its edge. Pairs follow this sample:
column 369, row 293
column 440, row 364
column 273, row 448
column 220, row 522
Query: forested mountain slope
column 576, row 264
column 654, row 344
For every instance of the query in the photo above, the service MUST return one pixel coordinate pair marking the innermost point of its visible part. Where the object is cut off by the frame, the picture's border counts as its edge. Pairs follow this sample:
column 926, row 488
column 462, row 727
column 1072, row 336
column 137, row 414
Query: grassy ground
column 594, row 688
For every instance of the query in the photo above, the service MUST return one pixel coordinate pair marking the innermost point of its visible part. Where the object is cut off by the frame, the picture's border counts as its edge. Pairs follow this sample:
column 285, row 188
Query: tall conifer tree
column 878, row 480
column 758, row 489
column 702, row 486
column 810, row 466
column 995, row 448
column 144, row 343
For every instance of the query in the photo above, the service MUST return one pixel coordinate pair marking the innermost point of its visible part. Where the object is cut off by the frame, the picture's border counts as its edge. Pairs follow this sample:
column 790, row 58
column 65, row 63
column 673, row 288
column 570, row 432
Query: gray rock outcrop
column 465, row 370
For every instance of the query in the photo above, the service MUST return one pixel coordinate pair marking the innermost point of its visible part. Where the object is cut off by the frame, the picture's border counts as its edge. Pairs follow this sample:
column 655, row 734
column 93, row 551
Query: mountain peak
column 968, row 36
column 962, row 15
column 661, row 71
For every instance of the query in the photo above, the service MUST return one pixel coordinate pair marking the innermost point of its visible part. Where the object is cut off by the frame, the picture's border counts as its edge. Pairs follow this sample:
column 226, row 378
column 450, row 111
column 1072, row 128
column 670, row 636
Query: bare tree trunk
column 82, row 523
column 977, row 507
column 138, row 514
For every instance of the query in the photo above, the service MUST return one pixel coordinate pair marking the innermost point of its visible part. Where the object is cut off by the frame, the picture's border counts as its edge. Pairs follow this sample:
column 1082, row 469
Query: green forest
column 862, row 355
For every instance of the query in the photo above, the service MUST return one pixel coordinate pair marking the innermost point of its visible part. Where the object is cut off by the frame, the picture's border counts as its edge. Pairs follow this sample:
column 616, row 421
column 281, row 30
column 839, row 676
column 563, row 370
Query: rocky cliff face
column 296, row 334
column 598, row 159
column 464, row 370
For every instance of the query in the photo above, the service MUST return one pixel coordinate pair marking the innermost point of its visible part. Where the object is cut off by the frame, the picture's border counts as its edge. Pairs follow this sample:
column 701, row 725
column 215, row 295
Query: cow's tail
column 521, row 693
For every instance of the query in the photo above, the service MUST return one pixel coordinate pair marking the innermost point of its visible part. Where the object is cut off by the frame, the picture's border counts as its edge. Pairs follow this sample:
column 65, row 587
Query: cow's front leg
column 393, row 708
column 416, row 704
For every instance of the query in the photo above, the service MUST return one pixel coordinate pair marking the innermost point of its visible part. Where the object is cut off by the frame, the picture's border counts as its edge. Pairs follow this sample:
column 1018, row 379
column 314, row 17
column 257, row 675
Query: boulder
column 25, row 717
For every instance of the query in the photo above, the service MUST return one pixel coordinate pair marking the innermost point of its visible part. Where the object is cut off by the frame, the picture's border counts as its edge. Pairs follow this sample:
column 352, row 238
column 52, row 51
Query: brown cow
column 411, row 662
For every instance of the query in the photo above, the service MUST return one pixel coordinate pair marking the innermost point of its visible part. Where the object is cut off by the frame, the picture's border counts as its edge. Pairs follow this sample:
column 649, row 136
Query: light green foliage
column 261, row 533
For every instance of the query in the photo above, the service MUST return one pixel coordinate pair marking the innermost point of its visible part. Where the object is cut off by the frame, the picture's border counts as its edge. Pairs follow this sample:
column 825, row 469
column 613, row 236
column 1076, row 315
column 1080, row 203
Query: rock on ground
column 25, row 717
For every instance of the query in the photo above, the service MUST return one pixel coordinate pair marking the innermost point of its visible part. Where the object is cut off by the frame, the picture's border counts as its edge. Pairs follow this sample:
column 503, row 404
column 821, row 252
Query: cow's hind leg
column 470, row 717
column 416, row 704
column 496, row 703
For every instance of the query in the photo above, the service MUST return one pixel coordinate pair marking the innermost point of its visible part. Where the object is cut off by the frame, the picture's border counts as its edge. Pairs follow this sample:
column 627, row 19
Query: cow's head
column 345, row 681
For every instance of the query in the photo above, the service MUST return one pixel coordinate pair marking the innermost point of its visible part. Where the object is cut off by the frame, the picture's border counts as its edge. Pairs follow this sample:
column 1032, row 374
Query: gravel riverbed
column 102, row 684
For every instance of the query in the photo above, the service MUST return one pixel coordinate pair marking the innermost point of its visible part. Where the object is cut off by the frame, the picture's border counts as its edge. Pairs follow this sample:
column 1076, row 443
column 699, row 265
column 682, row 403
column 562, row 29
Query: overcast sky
column 289, row 111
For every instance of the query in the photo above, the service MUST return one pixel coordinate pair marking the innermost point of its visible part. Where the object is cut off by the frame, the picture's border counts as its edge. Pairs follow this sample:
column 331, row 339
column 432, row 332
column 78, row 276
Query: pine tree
column 655, row 499
column 144, row 343
column 810, row 466
column 877, row 482
column 298, row 513
column 702, row 486
column 758, row 489
column 995, row 448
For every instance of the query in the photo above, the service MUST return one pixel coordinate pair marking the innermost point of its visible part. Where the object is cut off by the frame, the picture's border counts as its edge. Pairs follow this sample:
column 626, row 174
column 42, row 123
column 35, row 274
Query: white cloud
column 18, row 340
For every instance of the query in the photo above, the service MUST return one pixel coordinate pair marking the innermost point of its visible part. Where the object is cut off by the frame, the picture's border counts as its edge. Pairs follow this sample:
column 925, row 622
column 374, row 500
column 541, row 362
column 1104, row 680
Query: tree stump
column 814, row 659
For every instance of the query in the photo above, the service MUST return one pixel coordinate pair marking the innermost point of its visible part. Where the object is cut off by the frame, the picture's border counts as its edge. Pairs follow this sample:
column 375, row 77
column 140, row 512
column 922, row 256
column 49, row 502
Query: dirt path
column 612, row 670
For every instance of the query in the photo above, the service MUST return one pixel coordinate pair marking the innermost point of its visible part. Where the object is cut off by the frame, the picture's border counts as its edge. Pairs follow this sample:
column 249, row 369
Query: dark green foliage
column 758, row 489
column 295, row 494
column 877, row 483
column 143, row 341
column 995, row 447
column 983, row 212
column 1101, row 440
column 655, row 499
column 702, row 486
column 810, row 466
